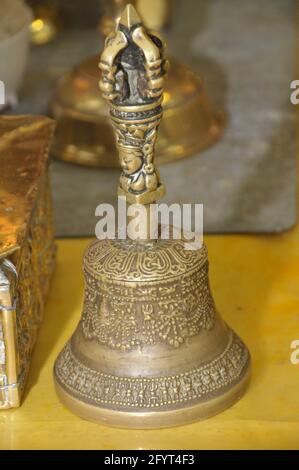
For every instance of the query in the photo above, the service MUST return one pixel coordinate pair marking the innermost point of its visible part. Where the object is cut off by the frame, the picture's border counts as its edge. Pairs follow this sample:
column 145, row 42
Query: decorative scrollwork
column 124, row 259
column 35, row 265
column 166, row 298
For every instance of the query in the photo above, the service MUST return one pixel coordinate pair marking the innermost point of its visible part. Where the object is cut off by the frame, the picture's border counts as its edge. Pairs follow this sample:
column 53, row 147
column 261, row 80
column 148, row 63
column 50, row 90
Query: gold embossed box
column 27, row 250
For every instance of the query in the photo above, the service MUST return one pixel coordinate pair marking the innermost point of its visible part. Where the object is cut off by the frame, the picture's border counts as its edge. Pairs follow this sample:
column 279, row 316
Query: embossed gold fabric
column 27, row 241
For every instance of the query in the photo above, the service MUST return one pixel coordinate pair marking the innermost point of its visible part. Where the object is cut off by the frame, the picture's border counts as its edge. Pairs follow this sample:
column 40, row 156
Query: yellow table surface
column 255, row 282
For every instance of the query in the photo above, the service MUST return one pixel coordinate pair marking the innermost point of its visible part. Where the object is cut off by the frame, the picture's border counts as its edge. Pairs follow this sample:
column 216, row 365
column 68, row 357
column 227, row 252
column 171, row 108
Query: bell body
column 150, row 350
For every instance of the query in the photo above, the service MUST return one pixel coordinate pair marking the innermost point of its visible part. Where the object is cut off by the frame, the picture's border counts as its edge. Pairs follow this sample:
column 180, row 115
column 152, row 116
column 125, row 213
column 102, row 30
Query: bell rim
column 210, row 403
column 156, row 419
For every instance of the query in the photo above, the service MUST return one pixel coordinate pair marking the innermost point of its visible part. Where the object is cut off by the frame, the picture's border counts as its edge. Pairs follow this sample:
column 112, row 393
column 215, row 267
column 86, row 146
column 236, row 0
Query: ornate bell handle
column 133, row 69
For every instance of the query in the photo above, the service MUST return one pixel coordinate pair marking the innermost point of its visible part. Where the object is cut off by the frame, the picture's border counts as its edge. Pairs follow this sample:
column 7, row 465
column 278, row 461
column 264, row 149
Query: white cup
column 13, row 57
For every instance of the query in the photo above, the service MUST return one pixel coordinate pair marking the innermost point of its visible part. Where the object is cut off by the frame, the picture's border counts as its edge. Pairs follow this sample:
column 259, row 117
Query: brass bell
column 150, row 350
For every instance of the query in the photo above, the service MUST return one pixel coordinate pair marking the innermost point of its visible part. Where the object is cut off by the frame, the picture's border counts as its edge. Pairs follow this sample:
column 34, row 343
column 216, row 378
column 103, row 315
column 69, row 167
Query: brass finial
column 133, row 68
column 130, row 17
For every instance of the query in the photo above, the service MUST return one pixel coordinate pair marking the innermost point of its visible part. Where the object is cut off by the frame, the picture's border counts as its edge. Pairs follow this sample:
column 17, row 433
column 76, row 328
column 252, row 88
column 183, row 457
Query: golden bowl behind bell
column 84, row 134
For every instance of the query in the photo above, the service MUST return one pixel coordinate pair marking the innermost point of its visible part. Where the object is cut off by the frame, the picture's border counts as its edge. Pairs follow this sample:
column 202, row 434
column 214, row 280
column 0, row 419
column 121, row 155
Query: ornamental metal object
column 27, row 248
column 150, row 349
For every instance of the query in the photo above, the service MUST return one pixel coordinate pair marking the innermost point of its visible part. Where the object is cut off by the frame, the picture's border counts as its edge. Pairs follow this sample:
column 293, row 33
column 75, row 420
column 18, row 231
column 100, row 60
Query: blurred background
column 228, row 135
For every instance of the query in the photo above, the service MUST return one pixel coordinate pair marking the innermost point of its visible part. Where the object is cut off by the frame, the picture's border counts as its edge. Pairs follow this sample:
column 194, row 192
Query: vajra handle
column 133, row 69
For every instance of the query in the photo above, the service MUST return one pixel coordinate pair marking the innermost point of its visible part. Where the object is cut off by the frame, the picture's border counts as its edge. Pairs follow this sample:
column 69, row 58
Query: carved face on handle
column 130, row 159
